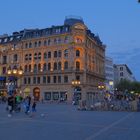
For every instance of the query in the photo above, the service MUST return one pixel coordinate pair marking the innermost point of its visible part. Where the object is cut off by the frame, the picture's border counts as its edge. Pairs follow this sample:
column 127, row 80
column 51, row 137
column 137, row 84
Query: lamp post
column 75, row 84
column 14, row 74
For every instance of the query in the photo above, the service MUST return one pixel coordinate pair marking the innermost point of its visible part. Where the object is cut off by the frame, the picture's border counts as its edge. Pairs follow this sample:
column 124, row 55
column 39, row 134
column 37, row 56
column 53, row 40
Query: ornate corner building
column 59, row 63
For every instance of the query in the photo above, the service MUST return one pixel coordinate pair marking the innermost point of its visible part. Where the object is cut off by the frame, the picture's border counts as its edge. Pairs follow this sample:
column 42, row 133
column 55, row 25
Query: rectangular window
column 121, row 73
column 4, row 59
column 38, row 80
column 65, row 79
column 49, row 54
column 59, row 53
column 44, row 79
column 55, row 54
column 54, row 79
column 34, row 80
column 121, row 68
column 29, row 80
column 48, row 79
column 47, row 95
column 59, row 79
column 25, row 82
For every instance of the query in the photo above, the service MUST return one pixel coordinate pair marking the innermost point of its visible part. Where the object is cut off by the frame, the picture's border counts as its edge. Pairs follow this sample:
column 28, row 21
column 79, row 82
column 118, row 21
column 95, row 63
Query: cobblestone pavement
column 65, row 122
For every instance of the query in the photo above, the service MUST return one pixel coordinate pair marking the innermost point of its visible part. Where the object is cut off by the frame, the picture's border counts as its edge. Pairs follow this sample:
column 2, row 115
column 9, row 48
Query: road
column 65, row 122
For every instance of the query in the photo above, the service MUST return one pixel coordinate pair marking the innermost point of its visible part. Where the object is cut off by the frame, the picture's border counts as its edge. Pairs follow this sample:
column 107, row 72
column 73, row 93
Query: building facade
column 60, row 62
column 121, row 72
column 109, row 73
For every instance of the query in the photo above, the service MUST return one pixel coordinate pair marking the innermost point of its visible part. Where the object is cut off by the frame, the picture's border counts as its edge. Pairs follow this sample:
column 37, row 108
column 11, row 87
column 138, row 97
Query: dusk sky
column 117, row 22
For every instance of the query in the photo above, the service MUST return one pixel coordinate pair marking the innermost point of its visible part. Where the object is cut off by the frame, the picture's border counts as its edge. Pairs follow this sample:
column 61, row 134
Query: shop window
column 55, row 95
column 47, row 95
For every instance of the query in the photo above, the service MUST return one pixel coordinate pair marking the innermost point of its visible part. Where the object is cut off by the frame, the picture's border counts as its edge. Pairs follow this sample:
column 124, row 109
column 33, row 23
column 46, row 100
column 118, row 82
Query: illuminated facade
column 53, row 57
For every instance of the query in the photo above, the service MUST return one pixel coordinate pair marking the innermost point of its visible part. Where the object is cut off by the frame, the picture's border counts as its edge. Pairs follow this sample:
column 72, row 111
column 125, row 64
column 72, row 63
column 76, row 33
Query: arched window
column 45, row 43
column 66, row 53
column 77, row 65
column 25, row 68
column 66, row 65
column 45, row 55
column 26, row 57
column 39, row 67
column 35, row 44
column 55, row 66
column 49, row 42
column 55, row 41
column 49, row 66
column 30, row 45
column 15, row 58
column 55, row 54
column 35, row 68
column 35, row 56
column 39, row 55
column 30, row 68
column 30, row 56
column 59, row 65
column 44, row 67
column 77, row 53
column 26, row 45
column 39, row 43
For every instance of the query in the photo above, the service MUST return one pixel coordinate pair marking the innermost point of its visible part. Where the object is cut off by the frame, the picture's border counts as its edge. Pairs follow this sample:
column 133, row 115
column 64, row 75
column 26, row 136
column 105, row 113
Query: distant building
column 60, row 62
column 109, row 73
column 121, row 72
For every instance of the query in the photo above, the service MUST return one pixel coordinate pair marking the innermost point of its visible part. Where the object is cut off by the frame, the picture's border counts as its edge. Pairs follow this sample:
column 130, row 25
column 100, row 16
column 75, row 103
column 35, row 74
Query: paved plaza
column 65, row 122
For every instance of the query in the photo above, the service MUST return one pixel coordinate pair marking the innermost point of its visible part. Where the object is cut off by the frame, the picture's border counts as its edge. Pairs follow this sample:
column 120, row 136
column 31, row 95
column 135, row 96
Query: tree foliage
column 124, row 85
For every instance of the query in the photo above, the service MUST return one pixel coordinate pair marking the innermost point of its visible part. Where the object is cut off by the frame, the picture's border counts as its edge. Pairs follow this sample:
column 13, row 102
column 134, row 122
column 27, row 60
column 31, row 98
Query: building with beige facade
column 64, row 62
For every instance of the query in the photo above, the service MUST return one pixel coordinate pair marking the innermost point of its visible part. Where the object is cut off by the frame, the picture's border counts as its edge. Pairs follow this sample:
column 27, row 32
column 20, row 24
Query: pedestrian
column 10, row 105
column 27, row 103
column 33, row 108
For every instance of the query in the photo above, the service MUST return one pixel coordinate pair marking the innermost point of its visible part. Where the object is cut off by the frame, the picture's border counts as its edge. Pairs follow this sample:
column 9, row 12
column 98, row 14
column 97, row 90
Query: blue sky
column 117, row 22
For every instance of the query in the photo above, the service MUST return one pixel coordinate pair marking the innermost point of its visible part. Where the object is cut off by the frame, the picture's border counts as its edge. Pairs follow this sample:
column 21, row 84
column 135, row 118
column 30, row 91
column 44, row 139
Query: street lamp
column 13, row 83
column 75, row 84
